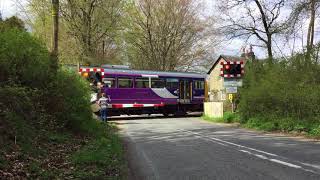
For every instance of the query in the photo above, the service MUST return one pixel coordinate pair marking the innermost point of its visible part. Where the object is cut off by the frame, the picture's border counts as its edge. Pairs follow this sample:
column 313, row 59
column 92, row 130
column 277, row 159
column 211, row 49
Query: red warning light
column 227, row 67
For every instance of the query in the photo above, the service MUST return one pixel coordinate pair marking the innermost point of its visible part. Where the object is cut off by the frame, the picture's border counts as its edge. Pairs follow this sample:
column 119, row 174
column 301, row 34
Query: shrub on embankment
column 45, row 116
column 31, row 90
column 283, row 95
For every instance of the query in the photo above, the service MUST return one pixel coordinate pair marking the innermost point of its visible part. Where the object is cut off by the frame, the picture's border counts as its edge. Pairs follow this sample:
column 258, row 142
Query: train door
column 185, row 95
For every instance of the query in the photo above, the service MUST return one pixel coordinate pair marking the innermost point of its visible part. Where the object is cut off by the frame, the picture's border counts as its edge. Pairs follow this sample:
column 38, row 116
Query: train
column 136, row 92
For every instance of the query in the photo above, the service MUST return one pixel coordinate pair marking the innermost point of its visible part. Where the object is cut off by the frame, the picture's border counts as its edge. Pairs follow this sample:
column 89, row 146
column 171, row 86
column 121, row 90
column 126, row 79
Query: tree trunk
column 269, row 48
column 55, row 19
column 310, row 35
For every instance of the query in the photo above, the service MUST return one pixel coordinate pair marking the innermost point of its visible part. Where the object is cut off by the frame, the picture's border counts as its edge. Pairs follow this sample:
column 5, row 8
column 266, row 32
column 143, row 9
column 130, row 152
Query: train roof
column 158, row 73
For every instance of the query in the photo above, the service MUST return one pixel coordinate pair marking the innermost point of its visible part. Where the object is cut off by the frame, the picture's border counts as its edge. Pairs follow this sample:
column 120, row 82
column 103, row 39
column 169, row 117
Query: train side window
column 125, row 82
column 109, row 82
column 172, row 83
column 157, row 83
column 142, row 83
column 199, row 84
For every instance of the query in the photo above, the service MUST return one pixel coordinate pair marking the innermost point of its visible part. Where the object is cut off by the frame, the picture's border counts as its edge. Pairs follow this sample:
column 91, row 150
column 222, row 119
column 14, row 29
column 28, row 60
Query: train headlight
column 85, row 74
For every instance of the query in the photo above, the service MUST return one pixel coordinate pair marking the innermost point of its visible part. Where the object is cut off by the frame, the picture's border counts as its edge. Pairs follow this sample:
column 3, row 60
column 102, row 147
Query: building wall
column 216, row 88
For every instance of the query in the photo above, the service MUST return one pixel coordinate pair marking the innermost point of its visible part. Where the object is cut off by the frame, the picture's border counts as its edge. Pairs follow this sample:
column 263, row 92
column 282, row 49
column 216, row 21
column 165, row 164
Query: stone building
column 216, row 87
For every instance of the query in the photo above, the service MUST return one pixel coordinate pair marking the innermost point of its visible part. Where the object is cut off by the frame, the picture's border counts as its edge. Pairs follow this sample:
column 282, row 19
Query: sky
column 8, row 8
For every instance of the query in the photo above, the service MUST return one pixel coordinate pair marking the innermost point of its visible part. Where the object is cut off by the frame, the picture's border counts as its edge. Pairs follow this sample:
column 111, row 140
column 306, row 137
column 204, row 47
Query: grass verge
column 101, row 158
column 228, row 117
column 97, row 154
column 287, row 125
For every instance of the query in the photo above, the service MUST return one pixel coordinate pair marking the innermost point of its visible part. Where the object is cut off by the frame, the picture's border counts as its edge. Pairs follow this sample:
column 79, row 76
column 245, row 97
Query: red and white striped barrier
column 136, row 105
column 81, row 70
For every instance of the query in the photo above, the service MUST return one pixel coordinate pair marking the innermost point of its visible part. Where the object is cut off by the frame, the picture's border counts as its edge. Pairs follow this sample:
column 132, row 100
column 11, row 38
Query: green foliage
column 12, row 23
column 281, row 96
column 228, row 117
column 72, row 93
column 23, row 60
column 42, row 111
column 100, row 155
column 212, row 119
column 315, row 131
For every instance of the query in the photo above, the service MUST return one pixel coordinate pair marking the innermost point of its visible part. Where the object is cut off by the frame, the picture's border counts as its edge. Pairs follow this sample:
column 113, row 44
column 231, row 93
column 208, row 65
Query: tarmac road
column 190, row 148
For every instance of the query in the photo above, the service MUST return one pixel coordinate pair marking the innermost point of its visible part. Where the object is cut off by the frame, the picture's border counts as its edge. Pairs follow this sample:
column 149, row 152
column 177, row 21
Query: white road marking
column 234, row 144
column 260, row 156
column 207, row 139
column 285, row 163
column 257, row 155
column 216, row 140
column 245, row 151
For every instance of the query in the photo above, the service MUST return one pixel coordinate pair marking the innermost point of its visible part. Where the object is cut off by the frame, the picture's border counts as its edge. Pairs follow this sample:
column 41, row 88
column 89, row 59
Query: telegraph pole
column 55, row 33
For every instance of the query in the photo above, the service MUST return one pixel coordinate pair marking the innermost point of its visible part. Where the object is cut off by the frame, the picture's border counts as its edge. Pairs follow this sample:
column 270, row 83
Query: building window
column 109, row 82
column 125, row 82
column 172, row 83
column 142, row 83
column 199, row 84
column 157, row 83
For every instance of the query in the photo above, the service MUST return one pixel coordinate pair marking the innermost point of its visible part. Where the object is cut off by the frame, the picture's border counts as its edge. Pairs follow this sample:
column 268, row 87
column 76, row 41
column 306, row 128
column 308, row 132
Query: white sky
column 8, row 8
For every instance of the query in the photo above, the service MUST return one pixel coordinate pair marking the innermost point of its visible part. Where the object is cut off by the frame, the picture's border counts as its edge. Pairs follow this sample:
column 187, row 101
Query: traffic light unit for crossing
column 232, row 69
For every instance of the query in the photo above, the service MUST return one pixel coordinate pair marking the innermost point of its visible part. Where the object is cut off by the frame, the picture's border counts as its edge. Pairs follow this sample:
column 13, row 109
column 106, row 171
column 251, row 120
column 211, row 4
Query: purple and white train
column 148, row 92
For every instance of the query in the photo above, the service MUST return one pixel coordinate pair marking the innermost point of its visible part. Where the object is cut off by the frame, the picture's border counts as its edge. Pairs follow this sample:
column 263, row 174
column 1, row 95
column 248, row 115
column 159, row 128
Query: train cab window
column 157, row 83
column 125, row 82
column 142, row 83
column 109, row 82
column 172, row 83
column 199, row 84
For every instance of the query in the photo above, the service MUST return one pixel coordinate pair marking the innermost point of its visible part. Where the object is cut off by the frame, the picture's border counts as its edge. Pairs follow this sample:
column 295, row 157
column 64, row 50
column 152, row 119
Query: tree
column 301, row 11
column 93, row 23
column 55, row 32
column 164, row 35
column 86, row 33
column 257, row 18
column 12, row 22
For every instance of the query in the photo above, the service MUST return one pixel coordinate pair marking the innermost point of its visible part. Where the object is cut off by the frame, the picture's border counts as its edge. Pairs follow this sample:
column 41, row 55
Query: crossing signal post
column 232, row 71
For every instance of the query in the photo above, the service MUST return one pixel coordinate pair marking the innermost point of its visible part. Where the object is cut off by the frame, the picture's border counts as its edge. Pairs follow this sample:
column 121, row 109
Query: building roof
column 226, row 58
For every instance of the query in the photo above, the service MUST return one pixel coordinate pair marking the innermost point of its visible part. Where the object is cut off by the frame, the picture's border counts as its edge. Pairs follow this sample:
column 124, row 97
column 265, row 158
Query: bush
column 282, row 96
column 30, row 90
column 23, row 60
column 72, row 93
column 287, row 124
column 40, row 111
column 229, row 117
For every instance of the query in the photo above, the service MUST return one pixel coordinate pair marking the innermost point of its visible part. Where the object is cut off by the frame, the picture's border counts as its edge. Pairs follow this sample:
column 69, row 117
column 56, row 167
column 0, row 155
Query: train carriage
column 149, row 92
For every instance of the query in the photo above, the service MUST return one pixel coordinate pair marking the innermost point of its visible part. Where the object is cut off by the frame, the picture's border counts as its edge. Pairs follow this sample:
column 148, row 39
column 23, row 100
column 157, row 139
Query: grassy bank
column 102, row 157
column 43, row 154
column 287, row 125
column 46, row 125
